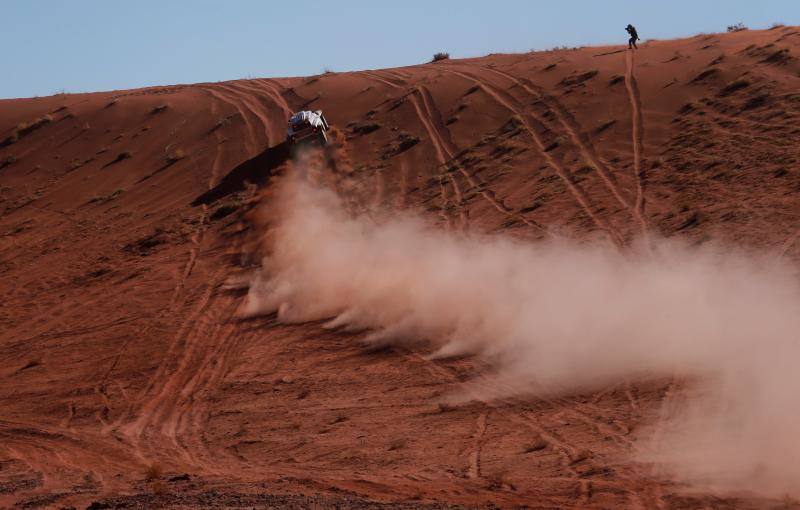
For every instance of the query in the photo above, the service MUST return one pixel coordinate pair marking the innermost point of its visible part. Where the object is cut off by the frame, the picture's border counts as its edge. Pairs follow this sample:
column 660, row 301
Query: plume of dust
column 557, row 317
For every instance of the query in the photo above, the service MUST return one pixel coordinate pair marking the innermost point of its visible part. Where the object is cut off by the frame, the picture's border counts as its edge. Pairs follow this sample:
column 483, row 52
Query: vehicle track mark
column 577, row 192
column 377, row 77
column 196, row 239
column 180, row 348
column 405, row 185
column 474, row 471
column 445, row 151
column 431, row 119
column 787, row 245
column 251, row 137
column 379, row 189
column 441, row 152
column 250, row 103
column 183, row 420
column 578, row 137
column 490, row 197
column 274, row 90
column 444, row 204
column 637, row 137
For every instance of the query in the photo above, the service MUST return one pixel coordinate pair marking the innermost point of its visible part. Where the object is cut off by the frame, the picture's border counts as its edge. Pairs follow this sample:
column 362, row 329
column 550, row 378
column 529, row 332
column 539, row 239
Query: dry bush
column 159, row 487
column 738, row 27
column 498, row 480
column 578, row 79
column 564, row 48
column 153, row 472
column 605, row 125
column 536, row 445
column 364, row 128
column 732, row 87
column 153, row 475
column 30, row 364
column 8, row 160
column 159, row 109
column 102, row 199
column 440, row 56
column 222, row 122
column 339, row 418
column 120, row 157
column 173, row 155
column 444, row 407
column 397, row 444
column 77, row 163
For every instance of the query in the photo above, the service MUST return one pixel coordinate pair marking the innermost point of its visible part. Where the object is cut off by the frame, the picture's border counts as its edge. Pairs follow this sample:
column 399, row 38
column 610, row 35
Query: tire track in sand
column 377, row 77
column 589, row 154
column 581, row 197
column 179, row 409
column 196, row 239
column 474, row 471
column 182, row 416
column 251, row 106
column 441, row 143
column 444, row 152
column 63, row 458
column 525, row 418
column 275, row 92
column 260, row 96
column 447, row 151
column 162, row 401
column 251, row 135
column 786, row 247
column 637, row 137
column 578, row 137
column 444, row 199
column 431, row 120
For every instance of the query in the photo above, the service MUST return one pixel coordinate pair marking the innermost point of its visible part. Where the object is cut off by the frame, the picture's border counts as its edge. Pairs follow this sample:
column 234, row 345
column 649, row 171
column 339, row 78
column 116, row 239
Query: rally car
column 307, row 127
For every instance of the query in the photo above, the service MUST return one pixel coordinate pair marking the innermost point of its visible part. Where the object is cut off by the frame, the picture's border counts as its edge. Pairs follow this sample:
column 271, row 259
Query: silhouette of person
column 634, row 36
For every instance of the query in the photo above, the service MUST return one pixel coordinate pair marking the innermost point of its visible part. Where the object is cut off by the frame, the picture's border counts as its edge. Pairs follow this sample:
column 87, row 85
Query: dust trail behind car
column 559, row 317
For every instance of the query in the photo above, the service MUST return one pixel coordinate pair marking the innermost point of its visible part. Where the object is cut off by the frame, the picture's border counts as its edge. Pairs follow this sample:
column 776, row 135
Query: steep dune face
column 124, row 214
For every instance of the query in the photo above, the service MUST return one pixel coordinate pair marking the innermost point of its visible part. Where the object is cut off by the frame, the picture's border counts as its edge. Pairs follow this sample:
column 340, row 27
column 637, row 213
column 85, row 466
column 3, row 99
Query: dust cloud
column 559, row 317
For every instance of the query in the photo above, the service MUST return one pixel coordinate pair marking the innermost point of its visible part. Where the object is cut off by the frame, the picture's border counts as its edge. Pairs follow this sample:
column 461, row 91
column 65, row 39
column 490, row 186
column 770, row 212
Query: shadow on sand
column 256, row 171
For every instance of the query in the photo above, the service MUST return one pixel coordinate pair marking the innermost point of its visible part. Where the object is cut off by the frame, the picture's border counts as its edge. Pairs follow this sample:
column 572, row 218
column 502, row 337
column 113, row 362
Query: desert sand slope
column 121, row 215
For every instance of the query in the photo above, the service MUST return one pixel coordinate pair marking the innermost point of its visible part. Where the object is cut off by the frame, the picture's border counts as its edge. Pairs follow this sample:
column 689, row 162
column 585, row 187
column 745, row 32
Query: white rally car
column 307, row 127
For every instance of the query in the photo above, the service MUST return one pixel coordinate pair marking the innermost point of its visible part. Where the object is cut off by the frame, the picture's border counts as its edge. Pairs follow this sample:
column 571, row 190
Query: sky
column 50, row 46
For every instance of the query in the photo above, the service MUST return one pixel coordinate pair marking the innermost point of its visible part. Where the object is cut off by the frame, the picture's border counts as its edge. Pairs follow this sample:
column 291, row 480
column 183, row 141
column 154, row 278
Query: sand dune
column 132, row 222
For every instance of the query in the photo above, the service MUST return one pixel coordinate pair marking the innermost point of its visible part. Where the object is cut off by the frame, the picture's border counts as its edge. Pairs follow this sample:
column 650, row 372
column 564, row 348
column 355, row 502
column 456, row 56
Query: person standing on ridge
column 634, row 36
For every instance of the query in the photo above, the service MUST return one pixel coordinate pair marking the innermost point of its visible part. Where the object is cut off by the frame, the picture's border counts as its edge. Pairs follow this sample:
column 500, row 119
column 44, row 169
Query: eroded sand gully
column 554, row 279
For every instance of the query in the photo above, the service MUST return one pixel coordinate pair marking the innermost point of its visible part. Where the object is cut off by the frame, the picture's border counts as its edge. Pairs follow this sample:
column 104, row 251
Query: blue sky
column 88, row 45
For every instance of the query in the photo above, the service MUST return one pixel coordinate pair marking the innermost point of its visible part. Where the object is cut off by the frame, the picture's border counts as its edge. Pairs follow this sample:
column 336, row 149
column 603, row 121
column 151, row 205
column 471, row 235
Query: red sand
column 121, row 219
